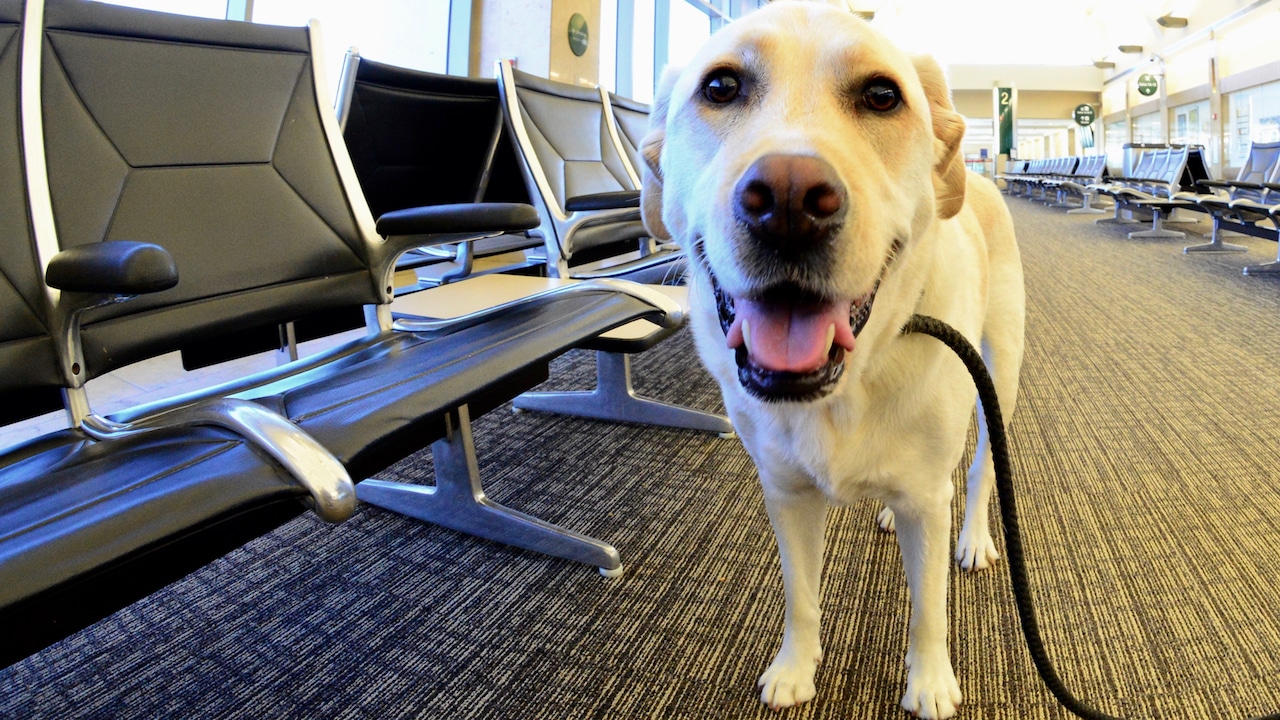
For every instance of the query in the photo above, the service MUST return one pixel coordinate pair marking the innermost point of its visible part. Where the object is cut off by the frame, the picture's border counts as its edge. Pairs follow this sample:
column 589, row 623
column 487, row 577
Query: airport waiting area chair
column 143, row 229
column 574, row 167
column 631, row 120
column 1241, row 205
column 420, row 139
column 397, row 121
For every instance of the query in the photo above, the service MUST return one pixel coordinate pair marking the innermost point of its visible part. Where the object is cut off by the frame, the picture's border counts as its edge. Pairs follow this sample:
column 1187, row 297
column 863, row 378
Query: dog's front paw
column 885, row 520
column 932, row 690
column 789, row 679
column 975, row 550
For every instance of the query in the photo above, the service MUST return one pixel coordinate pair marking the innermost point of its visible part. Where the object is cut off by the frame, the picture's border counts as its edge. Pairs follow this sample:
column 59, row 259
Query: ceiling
column 1043, row 32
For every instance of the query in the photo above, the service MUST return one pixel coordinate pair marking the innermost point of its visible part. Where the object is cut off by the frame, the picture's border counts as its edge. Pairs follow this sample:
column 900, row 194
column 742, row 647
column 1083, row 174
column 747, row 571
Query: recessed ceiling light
column 1170, row 21
column 1130, row 49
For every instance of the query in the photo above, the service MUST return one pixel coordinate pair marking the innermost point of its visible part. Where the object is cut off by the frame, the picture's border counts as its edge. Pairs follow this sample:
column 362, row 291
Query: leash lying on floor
column 972, row 360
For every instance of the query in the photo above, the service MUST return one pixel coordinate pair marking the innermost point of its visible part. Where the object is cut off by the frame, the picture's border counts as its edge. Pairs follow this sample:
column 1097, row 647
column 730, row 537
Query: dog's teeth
column 831, row 336
column 746, row 335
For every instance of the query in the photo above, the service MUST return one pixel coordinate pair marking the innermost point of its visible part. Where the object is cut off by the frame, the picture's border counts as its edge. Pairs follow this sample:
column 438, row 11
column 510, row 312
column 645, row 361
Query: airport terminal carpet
column 1145, row 447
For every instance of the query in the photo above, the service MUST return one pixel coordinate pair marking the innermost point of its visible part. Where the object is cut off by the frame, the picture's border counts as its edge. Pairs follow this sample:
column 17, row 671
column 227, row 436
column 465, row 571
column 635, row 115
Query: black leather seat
column 573, row 165
column 419, row 138
column 256, row 207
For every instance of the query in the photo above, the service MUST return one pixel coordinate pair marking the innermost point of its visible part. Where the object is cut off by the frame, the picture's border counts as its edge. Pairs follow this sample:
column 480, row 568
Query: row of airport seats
column 1068, row 178
column 1249, row 204
column 168, row 183
column 420, row 139
column 1176, row 178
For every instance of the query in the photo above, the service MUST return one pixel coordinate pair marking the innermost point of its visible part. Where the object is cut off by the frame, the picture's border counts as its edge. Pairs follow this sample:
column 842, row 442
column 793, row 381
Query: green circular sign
column 1084, row 115
column 578, row 36
column 1148, row 84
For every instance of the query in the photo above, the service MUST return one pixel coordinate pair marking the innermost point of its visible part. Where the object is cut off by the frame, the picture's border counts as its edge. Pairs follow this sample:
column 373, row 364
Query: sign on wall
column 578, row 35
column 1084, row 115
column 1148, row 84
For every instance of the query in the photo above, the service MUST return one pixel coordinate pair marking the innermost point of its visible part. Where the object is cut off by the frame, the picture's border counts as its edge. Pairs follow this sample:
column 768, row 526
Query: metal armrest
column 672, row 314
column 332, row 494
column 92, row 276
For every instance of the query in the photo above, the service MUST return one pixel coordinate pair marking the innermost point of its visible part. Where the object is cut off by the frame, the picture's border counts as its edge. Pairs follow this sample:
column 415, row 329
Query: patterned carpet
column 1145, row 448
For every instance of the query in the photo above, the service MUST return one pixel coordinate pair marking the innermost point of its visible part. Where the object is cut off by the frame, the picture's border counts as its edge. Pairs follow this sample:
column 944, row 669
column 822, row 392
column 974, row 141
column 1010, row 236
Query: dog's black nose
column 790, row 201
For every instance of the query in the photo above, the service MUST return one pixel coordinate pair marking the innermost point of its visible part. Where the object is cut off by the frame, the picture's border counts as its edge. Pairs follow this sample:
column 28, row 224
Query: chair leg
column 1157, row 229
column 1087, row 208
column 614, row 399
column 1215, row 243
column 458, row 501
column 1271, row 268
column 1117, row 218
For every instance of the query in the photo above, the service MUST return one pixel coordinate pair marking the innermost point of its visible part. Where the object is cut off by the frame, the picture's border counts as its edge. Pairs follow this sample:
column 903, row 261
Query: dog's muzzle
column 790, row 345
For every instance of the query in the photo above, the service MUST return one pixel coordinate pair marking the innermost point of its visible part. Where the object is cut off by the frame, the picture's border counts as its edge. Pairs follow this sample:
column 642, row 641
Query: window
column 1148, row 128
column 1189, row 125
column 199, row 8
column 1114, row 139
column 409, row 34
column 1253, row 115
column 689, row 30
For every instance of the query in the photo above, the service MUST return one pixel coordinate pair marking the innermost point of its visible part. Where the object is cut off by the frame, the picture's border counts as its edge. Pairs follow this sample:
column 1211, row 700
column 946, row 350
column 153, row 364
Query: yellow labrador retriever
column 812, row 172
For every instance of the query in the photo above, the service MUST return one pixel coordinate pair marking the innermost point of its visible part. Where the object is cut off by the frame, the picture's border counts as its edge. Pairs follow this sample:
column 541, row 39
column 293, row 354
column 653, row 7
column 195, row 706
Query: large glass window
column 1114, row 138
column 1148, row 128
column 409, row 34
column 689, row 29
column 1253, row 115
column 1189, row 125
column 198, row 8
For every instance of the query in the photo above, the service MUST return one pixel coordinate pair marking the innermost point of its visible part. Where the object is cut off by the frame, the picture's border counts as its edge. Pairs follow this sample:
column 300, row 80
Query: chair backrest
column 570, row 135
column 633, row 123
column 31, row 377
column 206, row 138
column 1146, row 161
column 1259, row 164
column 1194, row 168
column 419, row 138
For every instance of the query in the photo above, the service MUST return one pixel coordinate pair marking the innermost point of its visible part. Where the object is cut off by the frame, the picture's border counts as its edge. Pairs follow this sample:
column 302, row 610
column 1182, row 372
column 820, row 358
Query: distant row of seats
column 165, row 180
column 1170, row 179
column 1066, row 177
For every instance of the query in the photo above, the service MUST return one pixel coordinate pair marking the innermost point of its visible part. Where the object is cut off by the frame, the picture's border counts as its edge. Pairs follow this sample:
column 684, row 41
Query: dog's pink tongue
column 787, row 338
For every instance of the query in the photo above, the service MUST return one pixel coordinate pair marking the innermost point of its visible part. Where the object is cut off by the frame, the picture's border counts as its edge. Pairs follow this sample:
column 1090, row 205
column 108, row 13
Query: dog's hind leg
column 799, row 520
column 1002, row 348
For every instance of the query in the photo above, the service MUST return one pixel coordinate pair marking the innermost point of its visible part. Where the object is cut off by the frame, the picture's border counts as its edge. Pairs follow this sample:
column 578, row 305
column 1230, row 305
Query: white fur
column 896, row 424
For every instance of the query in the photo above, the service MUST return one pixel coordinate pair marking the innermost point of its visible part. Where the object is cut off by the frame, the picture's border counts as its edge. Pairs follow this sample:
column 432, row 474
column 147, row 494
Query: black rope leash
column 1008, row 511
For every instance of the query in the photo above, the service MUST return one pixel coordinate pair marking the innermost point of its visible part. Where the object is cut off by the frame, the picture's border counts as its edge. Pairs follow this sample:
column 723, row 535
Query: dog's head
column 798, row 158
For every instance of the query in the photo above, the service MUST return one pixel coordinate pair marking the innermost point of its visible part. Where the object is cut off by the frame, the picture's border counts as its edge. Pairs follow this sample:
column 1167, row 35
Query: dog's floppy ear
column 651, row 151
column 948, row 132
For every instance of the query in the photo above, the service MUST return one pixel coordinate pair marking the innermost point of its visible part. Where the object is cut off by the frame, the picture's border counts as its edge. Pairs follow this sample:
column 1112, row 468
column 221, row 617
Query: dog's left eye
column 881, row 95
column 721, row 86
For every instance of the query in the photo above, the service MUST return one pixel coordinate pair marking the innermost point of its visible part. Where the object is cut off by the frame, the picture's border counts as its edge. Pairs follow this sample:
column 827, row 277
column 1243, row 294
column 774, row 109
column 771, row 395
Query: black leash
column 1008, row 511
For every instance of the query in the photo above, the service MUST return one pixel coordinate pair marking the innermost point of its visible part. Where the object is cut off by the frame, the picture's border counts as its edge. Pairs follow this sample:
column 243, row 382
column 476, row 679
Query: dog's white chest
column 845, row 458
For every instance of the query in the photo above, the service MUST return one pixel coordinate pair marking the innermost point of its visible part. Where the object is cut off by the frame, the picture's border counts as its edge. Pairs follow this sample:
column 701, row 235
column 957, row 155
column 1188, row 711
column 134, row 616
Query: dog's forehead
column 811, row 39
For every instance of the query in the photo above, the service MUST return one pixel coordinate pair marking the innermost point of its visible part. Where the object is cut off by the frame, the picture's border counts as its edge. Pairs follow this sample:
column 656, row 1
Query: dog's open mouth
column 789, row 344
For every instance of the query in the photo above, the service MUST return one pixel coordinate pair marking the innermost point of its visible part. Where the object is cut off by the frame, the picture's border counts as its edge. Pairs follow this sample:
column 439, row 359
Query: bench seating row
column 169, row 180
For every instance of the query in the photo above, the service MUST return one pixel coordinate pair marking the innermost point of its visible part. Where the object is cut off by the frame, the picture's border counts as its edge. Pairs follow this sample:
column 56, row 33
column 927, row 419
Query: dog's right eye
column 881, row 95
column 721, row 86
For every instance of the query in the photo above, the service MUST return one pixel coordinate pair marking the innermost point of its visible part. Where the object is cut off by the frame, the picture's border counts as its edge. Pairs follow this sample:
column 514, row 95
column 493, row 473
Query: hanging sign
column 1004, row 118
column 578, row 35
column 1148, row 84
column 1084, row 115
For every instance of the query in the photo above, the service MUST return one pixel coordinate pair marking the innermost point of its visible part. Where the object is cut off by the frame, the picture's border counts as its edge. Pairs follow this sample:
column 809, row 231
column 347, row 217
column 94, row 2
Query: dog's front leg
column 799, row 519
column 924, row 531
